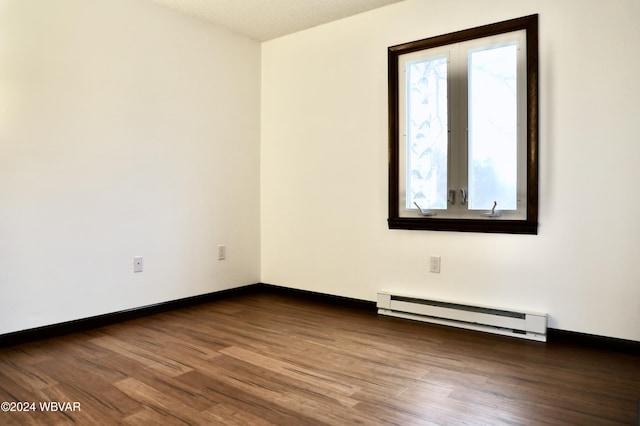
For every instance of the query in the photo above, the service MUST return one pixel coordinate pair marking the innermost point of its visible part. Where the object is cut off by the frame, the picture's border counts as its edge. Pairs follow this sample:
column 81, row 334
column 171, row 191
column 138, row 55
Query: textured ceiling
column 267, row 19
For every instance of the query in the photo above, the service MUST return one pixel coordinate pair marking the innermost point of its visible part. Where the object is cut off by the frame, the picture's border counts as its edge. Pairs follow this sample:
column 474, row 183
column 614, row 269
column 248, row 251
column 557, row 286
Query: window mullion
column 457, row 140
column 463, row 183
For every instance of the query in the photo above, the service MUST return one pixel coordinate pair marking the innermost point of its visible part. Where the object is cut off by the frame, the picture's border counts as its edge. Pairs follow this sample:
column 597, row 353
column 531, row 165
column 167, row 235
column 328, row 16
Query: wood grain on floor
column 265, row 359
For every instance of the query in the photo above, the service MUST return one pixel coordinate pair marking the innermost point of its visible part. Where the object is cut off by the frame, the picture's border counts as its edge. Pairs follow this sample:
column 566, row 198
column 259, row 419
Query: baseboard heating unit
column 525, row 325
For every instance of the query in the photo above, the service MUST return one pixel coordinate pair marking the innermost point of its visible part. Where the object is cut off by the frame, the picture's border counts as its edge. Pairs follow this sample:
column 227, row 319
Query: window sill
column 465, row 225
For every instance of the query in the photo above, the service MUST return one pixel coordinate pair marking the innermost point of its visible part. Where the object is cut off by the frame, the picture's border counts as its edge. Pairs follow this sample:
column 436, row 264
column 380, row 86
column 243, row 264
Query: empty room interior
column 195, row 221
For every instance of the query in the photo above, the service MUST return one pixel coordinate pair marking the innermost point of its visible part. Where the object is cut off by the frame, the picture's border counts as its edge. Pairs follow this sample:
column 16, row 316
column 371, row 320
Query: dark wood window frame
column 526, row 226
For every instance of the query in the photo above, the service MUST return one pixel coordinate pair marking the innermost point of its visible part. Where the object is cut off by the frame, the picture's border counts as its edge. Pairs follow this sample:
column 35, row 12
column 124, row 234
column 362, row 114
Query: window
column 463, row 130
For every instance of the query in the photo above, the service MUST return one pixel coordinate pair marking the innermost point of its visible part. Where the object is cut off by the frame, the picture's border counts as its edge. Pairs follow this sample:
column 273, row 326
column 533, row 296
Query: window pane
column 493, row 139
column 427, row 133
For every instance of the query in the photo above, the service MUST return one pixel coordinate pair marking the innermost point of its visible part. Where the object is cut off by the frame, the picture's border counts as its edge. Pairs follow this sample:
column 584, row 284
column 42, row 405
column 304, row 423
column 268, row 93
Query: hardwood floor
column 269, row 358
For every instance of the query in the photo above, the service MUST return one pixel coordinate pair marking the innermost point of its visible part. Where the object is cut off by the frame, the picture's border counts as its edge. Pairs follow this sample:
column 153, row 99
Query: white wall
column 324, row 167
column 125, row 129
column 128, row 129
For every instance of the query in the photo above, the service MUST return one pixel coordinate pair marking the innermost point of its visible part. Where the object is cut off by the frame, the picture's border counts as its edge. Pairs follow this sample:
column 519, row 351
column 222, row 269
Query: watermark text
column 41, row 406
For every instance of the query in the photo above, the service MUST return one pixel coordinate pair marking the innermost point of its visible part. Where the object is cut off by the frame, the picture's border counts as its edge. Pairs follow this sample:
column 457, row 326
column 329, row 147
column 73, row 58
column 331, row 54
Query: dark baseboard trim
column 84, row 324
column 319, row 297
column 54, row 330
column 593, row 341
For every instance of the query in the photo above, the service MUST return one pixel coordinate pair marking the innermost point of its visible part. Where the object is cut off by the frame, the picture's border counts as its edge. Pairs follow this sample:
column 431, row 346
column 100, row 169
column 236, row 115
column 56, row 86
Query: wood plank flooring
column 269, row 358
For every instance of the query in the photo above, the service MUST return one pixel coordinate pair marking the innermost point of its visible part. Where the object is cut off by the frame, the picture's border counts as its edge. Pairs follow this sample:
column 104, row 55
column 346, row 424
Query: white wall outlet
column 434, row 264
column 222, row 252
column 138, row 263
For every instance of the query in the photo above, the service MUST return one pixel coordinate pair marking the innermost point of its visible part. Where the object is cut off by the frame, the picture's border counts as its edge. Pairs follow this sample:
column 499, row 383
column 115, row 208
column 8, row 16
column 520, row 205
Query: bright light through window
column 492, row 132
column 427, row 133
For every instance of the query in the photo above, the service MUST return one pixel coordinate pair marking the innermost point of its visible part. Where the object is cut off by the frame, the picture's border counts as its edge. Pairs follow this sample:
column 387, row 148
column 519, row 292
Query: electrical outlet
column 222, row 252
column 138, row 263
column 434, row 264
